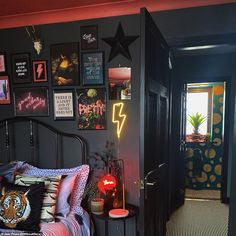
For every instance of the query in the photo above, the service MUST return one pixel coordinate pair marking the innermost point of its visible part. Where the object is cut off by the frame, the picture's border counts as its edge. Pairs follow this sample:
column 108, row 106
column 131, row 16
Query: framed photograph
column 21, row 68
column 63, row 101
column 93, row 68
column 5, row 97
column 40, row 71
column 91, row 108
column 89, row 37
column 2, row 63
column 31, row 101
column 119, row 81
column 65, row 64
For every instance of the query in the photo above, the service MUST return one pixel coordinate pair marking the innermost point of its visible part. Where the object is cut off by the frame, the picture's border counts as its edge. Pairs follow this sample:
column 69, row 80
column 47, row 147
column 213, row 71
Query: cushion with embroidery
column 73, row 188
column 20, row 206
column 51, row 185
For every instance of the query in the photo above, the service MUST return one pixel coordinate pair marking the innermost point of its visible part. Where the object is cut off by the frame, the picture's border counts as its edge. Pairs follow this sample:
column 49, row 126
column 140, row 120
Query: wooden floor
column 199, row 218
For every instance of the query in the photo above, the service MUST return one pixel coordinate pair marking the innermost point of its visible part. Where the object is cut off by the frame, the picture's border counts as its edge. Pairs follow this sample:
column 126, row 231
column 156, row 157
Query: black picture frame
column 21, row 68
column 92, row 68
column 89, row 37
column 63, row 104
column 40, row 71
column 5, row 95
column 91, row 108
column 3, row 63
column 31, row 101
column 65, row 64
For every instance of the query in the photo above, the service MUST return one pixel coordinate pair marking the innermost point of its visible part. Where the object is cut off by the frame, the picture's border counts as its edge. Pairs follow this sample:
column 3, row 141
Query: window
column 199, row 100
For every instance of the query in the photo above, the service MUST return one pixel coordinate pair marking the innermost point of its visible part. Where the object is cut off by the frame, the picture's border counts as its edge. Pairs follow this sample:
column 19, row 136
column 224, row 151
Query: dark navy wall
column 17, row 41
column 198, row 21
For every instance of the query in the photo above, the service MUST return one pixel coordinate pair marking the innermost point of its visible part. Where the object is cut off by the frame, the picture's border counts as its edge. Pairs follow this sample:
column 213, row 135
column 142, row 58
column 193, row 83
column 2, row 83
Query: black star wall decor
column 120, row 43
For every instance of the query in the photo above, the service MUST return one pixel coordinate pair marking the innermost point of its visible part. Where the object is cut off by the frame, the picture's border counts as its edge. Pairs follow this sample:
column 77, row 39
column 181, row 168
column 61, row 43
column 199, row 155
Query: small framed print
column 40, row 71
column 91, row 108
column 4, row 90
column 65, row 64
column 89, row 37
column 119, row 81
column 31, row 101
column 93, row 68
column 21, row 69
column 2, row 63
column 63, row 101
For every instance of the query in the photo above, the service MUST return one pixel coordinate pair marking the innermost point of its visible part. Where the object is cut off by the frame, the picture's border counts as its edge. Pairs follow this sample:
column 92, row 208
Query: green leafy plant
column 99, row 163
column 196, row 121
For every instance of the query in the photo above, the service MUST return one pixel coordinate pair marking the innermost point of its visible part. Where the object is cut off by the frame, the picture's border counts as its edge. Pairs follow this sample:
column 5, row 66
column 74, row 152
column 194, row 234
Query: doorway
column 194, row 166
column 205, row 111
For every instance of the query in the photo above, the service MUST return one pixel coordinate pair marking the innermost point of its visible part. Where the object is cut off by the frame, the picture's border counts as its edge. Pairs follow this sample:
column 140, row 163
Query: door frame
column 226, row 135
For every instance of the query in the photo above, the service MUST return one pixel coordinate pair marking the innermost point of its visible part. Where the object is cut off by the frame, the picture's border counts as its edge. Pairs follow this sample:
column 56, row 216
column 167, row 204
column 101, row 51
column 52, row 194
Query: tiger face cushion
column 20, row 206
column 51, row 190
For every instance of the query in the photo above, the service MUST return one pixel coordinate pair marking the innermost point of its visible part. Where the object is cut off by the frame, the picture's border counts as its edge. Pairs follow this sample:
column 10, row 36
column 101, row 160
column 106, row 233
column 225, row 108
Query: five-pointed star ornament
column 120, row 43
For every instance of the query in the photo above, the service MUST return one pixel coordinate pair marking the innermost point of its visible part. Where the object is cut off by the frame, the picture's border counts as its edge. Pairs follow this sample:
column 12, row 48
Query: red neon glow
column 107, row 182
column 31, row 102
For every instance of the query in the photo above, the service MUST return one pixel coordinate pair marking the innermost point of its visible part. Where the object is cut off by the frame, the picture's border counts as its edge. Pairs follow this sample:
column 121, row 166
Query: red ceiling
column 15, row 13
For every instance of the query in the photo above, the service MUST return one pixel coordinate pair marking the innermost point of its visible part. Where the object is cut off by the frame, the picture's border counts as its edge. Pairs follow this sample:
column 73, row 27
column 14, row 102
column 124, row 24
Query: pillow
column 77, row 191
column 51, row 190
column 7, row 171
column 20, row 206
column 63, row 201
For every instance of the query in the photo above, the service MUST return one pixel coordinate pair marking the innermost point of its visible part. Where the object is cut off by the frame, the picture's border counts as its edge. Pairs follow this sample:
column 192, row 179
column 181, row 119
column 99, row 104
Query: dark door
column 177, row 166
column 154, row 105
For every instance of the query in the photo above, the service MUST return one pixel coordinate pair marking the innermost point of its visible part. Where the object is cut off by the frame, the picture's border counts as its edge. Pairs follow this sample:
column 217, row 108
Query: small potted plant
column 196, row 120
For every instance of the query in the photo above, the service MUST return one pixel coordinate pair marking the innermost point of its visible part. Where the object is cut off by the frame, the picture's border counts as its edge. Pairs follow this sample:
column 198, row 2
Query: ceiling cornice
column 99, row 11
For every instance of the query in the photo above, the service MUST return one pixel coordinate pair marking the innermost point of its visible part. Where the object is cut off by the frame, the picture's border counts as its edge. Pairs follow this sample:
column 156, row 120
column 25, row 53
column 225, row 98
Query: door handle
column 150, row 183
column 147, row 183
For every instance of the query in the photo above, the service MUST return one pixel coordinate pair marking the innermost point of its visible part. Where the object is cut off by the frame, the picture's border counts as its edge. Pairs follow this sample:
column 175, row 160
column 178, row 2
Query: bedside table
column 107, row 226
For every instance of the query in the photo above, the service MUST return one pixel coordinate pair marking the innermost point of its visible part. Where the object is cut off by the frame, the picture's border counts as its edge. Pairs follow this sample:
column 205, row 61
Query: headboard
column 39, row 143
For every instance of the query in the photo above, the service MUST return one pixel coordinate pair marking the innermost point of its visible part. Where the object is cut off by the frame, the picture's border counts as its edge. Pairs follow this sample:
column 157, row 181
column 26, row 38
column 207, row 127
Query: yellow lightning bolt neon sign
column 118, row 117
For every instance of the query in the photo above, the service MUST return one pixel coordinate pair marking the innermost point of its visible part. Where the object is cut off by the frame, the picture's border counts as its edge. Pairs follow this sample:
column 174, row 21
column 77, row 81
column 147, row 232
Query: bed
column 48, row 164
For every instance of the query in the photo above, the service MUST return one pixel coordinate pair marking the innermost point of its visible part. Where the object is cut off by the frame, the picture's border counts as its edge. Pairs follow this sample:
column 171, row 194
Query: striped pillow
column 51, row 190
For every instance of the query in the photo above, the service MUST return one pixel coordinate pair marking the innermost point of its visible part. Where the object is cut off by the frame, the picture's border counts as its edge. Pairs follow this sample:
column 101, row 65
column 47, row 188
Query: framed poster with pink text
column 31, row 101
column 91, row 108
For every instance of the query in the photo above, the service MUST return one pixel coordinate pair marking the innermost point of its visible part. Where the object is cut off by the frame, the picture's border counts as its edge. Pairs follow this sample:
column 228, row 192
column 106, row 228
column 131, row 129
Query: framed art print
column 31, row 101
column 21, row 69
column 89, row 37
column 4, row 90
column 91, row 108
column 2, row 63
column 65, row 64
column 93, row 68
column 40, row 71
column 119, row 81
column 63, row 101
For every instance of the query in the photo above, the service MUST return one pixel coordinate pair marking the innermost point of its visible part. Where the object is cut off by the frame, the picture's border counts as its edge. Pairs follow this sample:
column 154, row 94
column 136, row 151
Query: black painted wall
column 17, row 41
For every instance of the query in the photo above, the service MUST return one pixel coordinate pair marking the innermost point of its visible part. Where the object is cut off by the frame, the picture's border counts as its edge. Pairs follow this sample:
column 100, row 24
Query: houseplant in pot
column 196, row 120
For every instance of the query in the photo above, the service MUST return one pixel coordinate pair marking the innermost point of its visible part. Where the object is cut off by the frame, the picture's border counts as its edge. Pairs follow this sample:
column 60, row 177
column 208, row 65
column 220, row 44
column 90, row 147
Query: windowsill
column 195, row 138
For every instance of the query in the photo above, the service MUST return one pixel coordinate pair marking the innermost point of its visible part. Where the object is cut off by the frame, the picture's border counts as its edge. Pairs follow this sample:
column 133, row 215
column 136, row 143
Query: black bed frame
column 33, row 124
